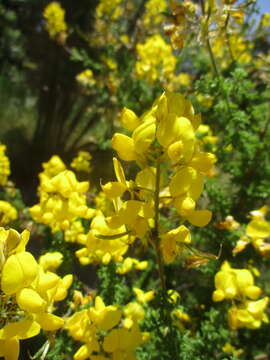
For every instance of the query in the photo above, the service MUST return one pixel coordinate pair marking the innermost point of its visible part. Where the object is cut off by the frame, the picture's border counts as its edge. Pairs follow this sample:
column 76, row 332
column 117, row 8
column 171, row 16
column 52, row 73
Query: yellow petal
column 24, row 266
column 124, row 146
column 22, row 330
column 49, row 322
column 10, row 349
column 29, row 300
column 258, row 229
column 199, row 217
column 129, row 119
column 181, row 181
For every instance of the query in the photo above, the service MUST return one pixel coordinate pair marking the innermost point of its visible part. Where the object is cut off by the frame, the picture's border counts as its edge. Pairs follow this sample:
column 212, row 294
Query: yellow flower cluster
column 86, row 78
column 109, row 8
column 27, row 293
column 98, row 327
column 4, row 166
column 239, row 49
column 238, row 285
column 82, row 162
column 153, row 12
column 155, row 60
column 257, row 232
column 205, row 135
column 130, row 264
column 62, row 200
column 51, row 168
column 8, row 213
column 165, row 134
column 102, row 243
column 54, row 14
column 265, row 20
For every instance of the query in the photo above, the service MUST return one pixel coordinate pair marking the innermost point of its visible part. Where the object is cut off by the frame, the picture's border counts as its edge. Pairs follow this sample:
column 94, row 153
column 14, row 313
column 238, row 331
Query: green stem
column 213, row 60
column 155, row 232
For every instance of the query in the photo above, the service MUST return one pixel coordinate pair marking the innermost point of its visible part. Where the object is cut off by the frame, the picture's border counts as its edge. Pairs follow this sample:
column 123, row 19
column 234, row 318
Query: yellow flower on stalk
column 4, row 166
column 166, row 132
column 54, row 15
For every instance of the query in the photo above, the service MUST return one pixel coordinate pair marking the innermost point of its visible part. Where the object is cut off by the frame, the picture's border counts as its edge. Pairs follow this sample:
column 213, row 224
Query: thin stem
column 213, row 60
column 155, row 232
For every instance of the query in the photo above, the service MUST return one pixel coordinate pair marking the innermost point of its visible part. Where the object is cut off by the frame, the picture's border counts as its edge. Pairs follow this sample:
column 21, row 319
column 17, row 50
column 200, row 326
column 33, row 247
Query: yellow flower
column 234, row 284
column 104, row 250
column 250, row 314
column 8, row 212
column 171, row 243
column 142, row 296
column 55, row 16
column 62, row 200
column 155, row 60
column 4, row 166
column 86, row 78
column 51, row 261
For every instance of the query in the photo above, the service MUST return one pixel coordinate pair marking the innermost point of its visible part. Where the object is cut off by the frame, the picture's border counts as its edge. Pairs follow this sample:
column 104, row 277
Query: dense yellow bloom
column 168, row 129
column 86, row 78
column 238, row 284
column 109, row 8
column 239, row 48
column 257, row 232
column 102, row 250
column 155, row 60
column 54, row 14
column 7, row 212
column 250, row 314
column 75, row 233
column 265, row 20
column 51, row 168
column 62, row 200
column 27, row 293
column 4, row 166
column 234, row 284
column 95, row 327
column 153, row 12
column 82, row 162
